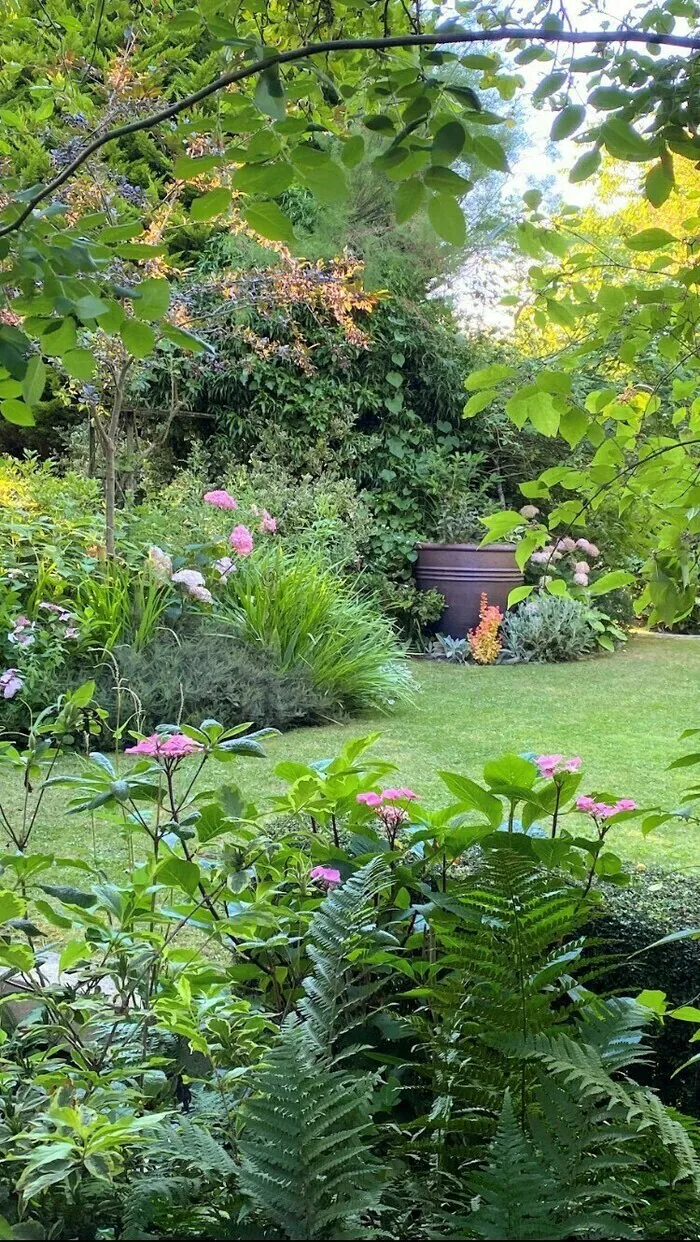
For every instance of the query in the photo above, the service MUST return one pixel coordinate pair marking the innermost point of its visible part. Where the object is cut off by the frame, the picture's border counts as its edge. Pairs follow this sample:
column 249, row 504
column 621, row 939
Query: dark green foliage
column 208, row 673
column 655, row 904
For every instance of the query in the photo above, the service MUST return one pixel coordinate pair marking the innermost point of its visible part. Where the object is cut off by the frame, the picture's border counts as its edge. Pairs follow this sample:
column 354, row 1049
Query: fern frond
column 304, row 1161
column 193, row 1145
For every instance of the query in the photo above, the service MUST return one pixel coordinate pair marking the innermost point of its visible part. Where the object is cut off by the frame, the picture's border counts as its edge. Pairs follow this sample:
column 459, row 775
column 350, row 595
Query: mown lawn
column 622, row 714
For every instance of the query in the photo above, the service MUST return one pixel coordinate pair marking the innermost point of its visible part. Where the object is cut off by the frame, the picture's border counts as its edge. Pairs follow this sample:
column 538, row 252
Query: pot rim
column 471, row 547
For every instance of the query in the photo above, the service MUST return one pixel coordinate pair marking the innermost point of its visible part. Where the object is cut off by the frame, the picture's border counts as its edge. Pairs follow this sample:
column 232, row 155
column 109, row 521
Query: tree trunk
column 110, row 494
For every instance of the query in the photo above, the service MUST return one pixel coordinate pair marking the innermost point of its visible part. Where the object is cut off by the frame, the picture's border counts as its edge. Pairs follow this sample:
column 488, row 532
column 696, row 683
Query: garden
column 349, row 621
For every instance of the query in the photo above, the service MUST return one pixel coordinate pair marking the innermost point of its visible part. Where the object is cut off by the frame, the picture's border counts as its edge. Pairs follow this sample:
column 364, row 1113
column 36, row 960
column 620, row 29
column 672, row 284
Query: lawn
column 622, row 714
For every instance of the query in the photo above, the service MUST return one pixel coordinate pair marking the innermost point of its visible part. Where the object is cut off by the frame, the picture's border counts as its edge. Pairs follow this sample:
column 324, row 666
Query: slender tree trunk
column 110, row 493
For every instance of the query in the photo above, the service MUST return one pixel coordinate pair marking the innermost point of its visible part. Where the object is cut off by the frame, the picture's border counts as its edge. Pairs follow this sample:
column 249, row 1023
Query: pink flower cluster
column 221, row 499
column 375, row 800
column 22, row 632
column 193, row 583
column 267, row 522
column 551, row 765
column 555, row 551
column 10, row 683
column 224, row 566
column 604, row 810
column 160, row 563
column 177, row 746
column 241, row 540
column 66, row 618
column 325, row 875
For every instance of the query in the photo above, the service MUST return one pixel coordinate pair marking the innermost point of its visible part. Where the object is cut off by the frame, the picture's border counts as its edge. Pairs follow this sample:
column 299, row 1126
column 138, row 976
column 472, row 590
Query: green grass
column 622, row 714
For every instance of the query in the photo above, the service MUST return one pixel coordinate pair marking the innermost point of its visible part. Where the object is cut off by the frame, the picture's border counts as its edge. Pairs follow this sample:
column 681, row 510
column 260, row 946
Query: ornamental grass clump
column 302, row 615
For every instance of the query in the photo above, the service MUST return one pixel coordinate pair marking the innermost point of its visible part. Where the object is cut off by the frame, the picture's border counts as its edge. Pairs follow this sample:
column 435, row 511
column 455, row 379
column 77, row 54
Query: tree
column 302, row 91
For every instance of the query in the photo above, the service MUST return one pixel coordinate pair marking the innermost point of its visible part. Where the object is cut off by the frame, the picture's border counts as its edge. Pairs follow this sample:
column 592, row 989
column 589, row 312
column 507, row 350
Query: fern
column 191, row 1144
column 304, row 1161
column 147, row 1198
column 342, row 926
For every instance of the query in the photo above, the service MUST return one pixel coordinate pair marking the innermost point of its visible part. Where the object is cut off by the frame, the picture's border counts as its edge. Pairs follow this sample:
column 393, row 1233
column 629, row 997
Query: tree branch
column 502, row 34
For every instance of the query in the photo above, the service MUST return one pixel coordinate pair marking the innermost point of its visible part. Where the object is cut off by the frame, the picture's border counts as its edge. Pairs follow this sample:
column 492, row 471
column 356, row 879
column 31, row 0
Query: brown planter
column 460, row 572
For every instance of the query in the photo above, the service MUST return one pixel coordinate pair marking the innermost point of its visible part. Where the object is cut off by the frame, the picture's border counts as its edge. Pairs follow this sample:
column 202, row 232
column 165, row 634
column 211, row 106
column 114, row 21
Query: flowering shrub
column 484, row 641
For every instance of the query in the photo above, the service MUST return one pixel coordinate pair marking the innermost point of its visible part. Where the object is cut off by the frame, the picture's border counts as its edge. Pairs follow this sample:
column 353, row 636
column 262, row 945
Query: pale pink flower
column 567, row 543
column 221, row 499
column 580, row 579
column 626, row 804
column 72, row 632
column 529, row 512
column 177, row 746
column 370, row 798
column 582, row 567
column 147, row 746
column 268, row 523
column 392, row 816
column 585, row 803
column 10, row 683
column 573, row 764
column 548, row 764
column 394, row 795
column 224, row 566
column 201, row 593
column 589, row 548
column 326, row 875
column 160, row 563
column 541, row 557
column 241, row 540
column 189, row 578
column 603, row 810
column 22, row 634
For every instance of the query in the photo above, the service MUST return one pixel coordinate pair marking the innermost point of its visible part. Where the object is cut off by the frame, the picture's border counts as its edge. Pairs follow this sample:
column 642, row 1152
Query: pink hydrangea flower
column 221, row 499
column 392, row 817
column 370, row 798
column 10, row 683
column 189, row 578
column 567, row 543
column 582, row 567
column 241, row 540
column 22, row 633
column 177, row 746
column 202, row 593
column 224, row 566
column 580, row 579
column 72, row 632
column 529, row 511
column 585, row 803
column 550, row 765
column 326, row 875
column 160, row 563
column 393, row 795
column 268, row 523
column 540, row 558
column 626, row 804
column 589, row 548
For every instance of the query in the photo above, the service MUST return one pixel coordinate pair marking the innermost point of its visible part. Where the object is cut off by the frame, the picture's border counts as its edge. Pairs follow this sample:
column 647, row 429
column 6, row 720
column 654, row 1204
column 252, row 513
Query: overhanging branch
column 505, row 33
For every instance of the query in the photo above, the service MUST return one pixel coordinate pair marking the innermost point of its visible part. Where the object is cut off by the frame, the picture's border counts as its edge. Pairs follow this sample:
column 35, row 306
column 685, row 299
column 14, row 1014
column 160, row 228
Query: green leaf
column 479, row 402
column 138, row 338
column 445, row 180
column 75, row 951
column 685, row 1013
column 519, row 593
column 34, row 381
column 210, row 204
column 650, row 239
column 491, row 153
column 11, row 905
column 567, row 122
column 488, row 376
column 186, row 340
column 179, row 873
column 498, row 525
column 90, row 307
column 550, row 84
column 10, row 388
column 448, row 142
column 154, row 298
column 573, row 426
column 585, row 166
column 17, row 412
column 59, row 337
column 80, row 363
column 447, row 218
column 510, row 770
column 19, row 956
column 188, row 168
column 272, row 179
column 70, row 896
column 472, row 795
column 611, row 582
column 270, row 221
column 557, row 586
column 537, row 406
column 608, row 98
column 269, row 94
column 353, row 151
column 327, row 182
column 120, row 233
column 409, row 199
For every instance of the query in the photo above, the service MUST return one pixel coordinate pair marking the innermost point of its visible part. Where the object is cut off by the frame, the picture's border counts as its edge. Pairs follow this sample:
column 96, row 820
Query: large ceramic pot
column 460, row 572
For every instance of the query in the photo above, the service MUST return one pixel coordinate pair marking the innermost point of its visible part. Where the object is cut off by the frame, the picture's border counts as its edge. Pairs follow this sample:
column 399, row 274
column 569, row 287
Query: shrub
column 302, row 615
column 548, row 630
column 655, row 904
